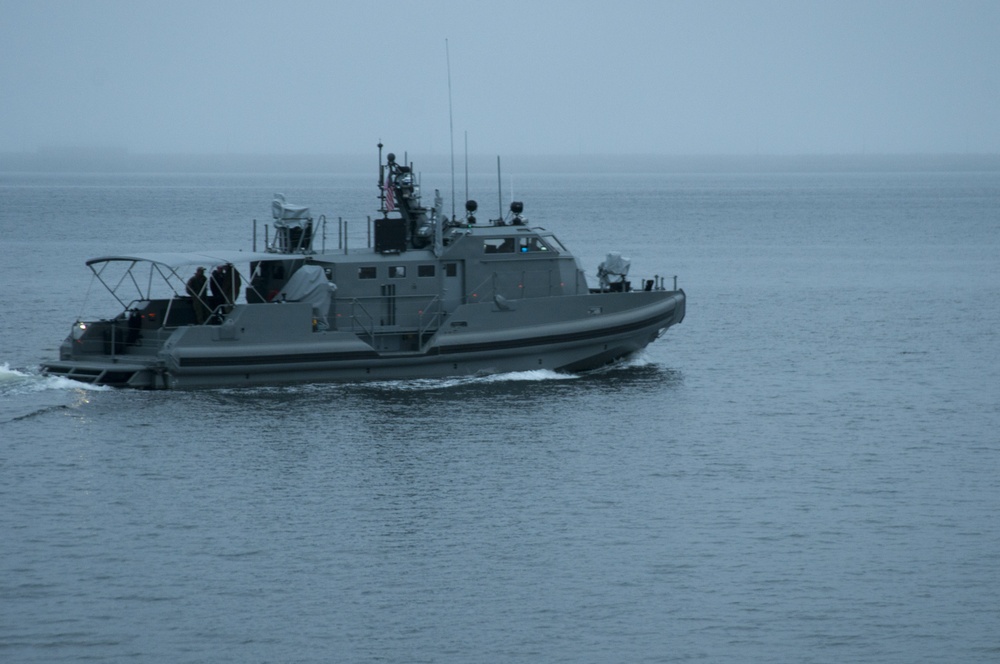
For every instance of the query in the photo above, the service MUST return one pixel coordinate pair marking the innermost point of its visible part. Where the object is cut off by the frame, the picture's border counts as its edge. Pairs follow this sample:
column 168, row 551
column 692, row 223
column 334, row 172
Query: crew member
column 196, row 289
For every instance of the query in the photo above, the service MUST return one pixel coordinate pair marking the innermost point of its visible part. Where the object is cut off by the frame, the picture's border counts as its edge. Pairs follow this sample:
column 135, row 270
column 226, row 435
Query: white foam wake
column 13, row 381
column 535, row 375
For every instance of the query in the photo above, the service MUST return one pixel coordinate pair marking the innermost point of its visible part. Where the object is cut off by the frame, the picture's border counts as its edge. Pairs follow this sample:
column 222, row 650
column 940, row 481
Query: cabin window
column 451, row 269
column 366, row 272
column 530, row 244
column 425, row 270
column 498, row 245
column 397, row 271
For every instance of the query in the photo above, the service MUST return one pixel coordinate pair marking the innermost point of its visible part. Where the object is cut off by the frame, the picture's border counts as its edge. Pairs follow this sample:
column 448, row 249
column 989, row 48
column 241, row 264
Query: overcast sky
column 528, row 77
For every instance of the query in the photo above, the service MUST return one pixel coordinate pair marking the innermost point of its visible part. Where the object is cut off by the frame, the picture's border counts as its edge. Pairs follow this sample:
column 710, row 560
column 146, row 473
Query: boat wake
column 425, row 384
column 637, row 367
column 638, row 361
column 25, row 394
column 17, row 381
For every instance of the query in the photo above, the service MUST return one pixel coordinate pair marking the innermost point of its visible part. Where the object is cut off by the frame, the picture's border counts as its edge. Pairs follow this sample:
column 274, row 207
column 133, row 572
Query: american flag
column 390, row 196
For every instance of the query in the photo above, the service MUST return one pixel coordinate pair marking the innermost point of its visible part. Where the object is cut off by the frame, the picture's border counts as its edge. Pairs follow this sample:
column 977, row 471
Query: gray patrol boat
column 433, row 297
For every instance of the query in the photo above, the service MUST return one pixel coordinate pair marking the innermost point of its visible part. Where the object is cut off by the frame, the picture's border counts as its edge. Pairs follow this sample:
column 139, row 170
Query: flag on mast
column 390, row 196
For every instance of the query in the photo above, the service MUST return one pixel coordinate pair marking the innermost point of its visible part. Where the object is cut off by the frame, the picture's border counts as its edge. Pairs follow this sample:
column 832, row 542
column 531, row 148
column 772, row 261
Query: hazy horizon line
column 83, row 159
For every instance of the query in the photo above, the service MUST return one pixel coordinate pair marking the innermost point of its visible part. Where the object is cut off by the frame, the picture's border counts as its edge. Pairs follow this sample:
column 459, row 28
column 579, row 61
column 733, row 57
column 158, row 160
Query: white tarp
column 283, row 211
column 309, row 284
column 613, row 270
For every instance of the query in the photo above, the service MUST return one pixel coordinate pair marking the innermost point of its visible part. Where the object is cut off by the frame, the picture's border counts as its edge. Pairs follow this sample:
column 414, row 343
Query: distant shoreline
column 120, row 161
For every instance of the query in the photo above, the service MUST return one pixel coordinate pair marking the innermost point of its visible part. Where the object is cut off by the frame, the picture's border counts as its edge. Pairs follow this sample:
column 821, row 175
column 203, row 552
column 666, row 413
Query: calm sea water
column 805, row 470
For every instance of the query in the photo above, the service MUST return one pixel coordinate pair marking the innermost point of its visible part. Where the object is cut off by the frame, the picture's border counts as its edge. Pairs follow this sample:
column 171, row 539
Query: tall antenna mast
column 451, row 130
column 467, row 165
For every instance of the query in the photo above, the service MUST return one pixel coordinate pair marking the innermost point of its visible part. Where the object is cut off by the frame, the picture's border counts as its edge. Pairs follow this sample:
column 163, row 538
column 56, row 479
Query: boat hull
column 256, row 346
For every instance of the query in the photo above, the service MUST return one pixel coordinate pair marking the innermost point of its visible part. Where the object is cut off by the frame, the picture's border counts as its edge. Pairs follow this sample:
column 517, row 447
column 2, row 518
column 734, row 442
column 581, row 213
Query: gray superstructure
column 433, row 297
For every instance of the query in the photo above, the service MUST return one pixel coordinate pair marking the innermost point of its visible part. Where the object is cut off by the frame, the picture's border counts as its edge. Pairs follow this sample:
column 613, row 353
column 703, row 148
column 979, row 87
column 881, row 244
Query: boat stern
column 108, row 353
column 111, row 374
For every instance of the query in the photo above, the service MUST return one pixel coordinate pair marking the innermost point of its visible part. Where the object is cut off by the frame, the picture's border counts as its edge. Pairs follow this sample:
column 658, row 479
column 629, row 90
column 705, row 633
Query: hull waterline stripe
column 310, row 358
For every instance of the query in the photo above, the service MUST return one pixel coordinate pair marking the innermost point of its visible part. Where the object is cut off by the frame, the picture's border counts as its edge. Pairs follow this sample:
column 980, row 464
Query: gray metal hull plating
column 271, row 344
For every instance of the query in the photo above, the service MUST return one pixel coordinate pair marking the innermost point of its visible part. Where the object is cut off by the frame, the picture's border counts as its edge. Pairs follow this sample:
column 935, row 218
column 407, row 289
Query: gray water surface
column 805, row 470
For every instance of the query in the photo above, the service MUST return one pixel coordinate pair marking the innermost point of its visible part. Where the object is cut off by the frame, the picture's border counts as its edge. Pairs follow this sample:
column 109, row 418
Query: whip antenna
column 451, row 129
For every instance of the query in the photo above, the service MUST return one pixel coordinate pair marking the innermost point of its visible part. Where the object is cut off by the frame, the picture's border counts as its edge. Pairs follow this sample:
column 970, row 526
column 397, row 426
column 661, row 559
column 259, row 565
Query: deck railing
column 370, row 317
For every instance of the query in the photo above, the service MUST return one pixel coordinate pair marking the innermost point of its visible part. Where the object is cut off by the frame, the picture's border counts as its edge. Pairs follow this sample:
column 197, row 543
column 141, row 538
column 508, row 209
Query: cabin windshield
column 511, row 245
column 555, row 244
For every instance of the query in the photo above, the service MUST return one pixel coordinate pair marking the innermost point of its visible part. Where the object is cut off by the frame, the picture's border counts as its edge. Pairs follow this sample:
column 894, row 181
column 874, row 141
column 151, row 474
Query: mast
column 451, row 130
column 381, row 179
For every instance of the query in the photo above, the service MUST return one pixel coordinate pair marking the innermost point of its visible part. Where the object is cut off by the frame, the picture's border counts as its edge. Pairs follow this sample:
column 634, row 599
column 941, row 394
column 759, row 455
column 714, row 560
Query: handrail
column 433, row 311
column 424, row 319
column 354, row 319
